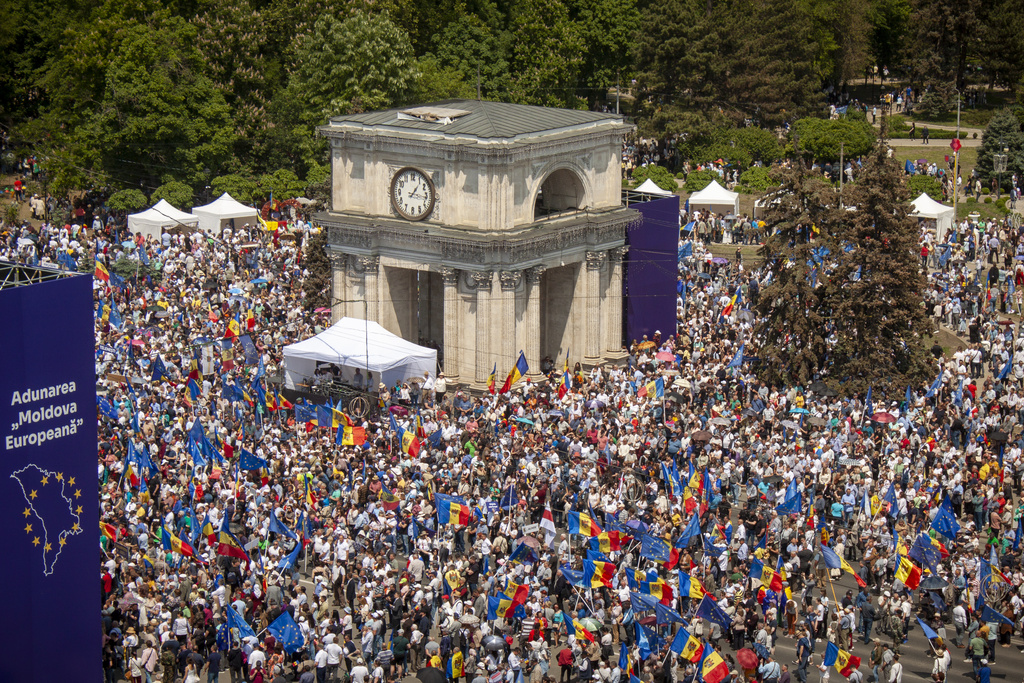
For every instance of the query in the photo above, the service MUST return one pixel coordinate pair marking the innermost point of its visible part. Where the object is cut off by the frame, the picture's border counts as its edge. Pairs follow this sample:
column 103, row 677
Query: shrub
column 757, row 178
column 698, row 180
column 661, row 176
column 127, row 200
column 927, row 184
column 898, row 124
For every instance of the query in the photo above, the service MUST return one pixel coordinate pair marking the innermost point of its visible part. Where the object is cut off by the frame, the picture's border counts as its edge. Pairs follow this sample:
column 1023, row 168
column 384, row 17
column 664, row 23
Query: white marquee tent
column 153, row 221
column 650, row 187
column 926, row 207
column 222, row 211
column 353, row 343
column 716, row 198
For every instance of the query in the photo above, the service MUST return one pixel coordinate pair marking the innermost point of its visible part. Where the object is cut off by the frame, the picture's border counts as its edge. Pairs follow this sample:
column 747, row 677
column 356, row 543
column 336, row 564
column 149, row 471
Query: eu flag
column 248, row 461
column 235, row 620
column 654, row 548
column 287, row 631
column 945, row 521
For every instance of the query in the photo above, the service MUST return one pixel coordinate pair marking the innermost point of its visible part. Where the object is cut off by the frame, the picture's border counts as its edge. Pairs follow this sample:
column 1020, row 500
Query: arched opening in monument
column 561, row 191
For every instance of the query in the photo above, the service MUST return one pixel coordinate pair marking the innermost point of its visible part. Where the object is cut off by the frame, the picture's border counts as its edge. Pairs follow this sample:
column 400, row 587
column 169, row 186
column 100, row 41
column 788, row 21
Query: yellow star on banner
column 33, row 495
column 74, row 527
column 28, row 528
column 45, row 480
column 47, row 548
column 78, row 510
column 27, row 512
column 71, row 481
column 35, row 541
column 78, row 493
column 60, row 476
column 62, row 541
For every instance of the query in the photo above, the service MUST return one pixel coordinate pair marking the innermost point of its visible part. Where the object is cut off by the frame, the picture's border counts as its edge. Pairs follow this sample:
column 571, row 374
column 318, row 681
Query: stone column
column 596, row 261
column 339, row 285
column 452, row 324
column 481, row 281
column 370, row 265
column 613, row 305
column 532, row 319
column 510, row 280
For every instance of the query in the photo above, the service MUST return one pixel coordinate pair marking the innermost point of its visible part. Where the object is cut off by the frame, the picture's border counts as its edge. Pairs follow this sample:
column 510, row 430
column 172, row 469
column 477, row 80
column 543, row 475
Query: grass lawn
column 968, row 159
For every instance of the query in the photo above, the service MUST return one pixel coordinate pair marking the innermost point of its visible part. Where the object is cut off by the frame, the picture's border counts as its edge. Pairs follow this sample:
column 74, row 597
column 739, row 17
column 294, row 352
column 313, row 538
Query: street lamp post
column 999, row 166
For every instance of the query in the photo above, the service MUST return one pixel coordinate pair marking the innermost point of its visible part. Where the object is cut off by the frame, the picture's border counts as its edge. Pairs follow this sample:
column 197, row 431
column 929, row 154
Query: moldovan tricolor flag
column 714, row 668
column 518, row 371
column 101, row 272
column 491, row 381
column 908, row 573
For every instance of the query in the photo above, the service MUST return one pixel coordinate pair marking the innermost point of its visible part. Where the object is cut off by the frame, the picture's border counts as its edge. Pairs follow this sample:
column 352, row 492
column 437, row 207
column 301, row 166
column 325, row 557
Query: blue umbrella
column 637, row 525
column 524, row 420
column 234, row 290
column 802, row 411
column 258, row 281
column 128, row 244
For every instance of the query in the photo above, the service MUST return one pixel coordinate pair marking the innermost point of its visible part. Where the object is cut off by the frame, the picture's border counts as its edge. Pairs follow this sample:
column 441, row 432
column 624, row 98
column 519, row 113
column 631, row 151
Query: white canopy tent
column 716, row 198
column 154, row 220
column 650, row 187
column 353, row 343
column 926, row 207
column 222, row 211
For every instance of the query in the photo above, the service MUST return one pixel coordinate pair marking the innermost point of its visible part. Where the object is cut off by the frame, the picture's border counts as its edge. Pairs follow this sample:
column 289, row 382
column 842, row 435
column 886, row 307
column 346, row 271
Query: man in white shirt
column 359, row 672
column 334, row 653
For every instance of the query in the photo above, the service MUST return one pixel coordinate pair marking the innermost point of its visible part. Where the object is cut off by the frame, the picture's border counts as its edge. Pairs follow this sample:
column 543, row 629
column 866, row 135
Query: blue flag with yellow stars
column 287, row 632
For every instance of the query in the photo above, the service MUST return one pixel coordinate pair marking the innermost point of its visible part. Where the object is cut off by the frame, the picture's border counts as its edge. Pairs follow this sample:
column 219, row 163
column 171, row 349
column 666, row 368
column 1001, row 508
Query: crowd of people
column 666, row 519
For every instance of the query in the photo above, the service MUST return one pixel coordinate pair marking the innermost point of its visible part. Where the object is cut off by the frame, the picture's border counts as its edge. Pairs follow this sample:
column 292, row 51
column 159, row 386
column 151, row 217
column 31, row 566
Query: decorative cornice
column 582, row 230
column 534, row 274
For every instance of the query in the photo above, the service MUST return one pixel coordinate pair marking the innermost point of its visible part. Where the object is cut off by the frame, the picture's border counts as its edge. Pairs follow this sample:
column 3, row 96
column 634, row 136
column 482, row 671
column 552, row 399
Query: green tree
column 360, row 63
column 821, row 138
column 1002, row 43
column 839, row 34
column 758, row 179
column 771, row 78
column 545, row 54
column 660, row 175
column 282, row 184
column 947, row 38
column 127, row 200
column 607, row 29
column 439, row 82
column 876, row 288
column 792, row 308
column 241, row 187
column 160, row 119
column 178, row 194
column 236, row 41
column 317, row 287
column 471, row 45
column 680, row 66
column 759, row 144
column 698, row 180
column 890, row 27
column 1003, row 135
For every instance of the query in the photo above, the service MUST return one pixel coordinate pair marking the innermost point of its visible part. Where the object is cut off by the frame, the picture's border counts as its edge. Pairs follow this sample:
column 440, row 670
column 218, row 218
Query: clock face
column 412, row 194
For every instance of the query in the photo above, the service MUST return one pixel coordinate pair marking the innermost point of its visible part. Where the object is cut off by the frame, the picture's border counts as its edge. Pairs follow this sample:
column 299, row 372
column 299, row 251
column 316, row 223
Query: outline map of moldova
column 56, row 511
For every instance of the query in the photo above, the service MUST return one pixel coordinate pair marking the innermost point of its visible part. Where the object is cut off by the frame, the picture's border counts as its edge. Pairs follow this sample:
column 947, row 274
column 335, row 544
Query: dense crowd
column 596, row 519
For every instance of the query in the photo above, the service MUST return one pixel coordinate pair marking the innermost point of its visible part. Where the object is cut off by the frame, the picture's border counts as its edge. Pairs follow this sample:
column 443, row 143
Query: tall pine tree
column 792, row 332
column 875, row 292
